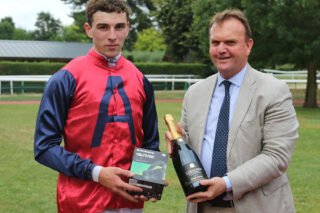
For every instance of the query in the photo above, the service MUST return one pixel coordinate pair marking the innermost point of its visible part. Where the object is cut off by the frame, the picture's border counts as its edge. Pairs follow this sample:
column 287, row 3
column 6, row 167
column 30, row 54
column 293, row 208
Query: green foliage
column 203, row 11
column 47, row 27
column 175, row 18
column 290, row 27
column 21, row 34
column 143, row 56
column 294, row 23
column 140, row 19
column 79, row 19
column 173, row 68
column 29, row 68
column 73, row 33
column 48, row 68
column 150, row 40
column 6, row 28
column 76, row 3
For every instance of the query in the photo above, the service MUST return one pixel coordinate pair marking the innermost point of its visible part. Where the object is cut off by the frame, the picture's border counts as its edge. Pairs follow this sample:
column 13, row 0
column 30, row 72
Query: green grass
column 304, row 170
column 297, row 94
column 26, row 186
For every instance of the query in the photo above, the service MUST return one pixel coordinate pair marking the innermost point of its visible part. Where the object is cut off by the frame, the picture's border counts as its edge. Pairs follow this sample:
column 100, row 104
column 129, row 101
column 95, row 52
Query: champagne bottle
column 186, row 162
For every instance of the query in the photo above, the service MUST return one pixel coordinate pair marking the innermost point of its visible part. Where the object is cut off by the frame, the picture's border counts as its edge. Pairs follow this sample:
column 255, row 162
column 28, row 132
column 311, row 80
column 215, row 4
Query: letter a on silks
column 113, row 83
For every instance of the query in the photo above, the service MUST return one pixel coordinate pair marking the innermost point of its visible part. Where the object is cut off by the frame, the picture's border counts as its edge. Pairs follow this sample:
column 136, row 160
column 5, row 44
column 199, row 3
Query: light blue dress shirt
column 212, row 120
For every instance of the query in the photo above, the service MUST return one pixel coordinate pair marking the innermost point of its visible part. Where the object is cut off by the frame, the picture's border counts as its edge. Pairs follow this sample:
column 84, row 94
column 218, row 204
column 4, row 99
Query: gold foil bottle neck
column 171, row 126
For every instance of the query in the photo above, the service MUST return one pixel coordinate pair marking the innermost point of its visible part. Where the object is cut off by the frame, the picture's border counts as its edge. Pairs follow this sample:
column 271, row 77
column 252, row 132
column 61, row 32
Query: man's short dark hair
column 108, row 6
column 232, row 13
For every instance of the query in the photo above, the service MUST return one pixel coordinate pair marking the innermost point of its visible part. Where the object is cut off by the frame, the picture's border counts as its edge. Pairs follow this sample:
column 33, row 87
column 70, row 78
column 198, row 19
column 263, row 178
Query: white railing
column 295, row 79
column 22, row 79
column 187, row 79
column 293, row 74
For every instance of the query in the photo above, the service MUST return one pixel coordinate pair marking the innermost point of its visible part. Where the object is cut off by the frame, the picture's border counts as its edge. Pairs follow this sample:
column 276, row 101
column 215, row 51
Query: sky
column 25, row 12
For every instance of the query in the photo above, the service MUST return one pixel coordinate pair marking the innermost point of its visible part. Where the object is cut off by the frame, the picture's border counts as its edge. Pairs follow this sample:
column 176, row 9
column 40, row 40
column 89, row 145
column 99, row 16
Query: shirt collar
column 236, row 80
column 112, row 61
column 115, row 59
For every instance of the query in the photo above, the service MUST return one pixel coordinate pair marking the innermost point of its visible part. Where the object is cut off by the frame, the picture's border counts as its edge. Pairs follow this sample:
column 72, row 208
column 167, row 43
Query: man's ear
column 88, row 28
column 249, row 46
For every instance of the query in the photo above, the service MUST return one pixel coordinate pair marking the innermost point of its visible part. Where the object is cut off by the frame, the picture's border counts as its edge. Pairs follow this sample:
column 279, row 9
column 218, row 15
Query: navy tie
column 219, row 155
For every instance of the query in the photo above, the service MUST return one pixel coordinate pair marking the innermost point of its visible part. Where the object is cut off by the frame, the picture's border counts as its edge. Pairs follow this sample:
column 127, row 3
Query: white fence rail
column 293, row 82
column 187, row 79
column 292, row 74
column 296, row 79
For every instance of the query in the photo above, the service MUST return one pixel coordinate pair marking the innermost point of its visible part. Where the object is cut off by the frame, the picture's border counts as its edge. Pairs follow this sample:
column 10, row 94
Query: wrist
column 228, row 183
column 96, row 172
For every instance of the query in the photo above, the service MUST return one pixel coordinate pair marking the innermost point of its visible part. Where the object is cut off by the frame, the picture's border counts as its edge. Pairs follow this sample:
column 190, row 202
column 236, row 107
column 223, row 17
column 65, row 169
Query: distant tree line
column 47, row 29
column 284, row 31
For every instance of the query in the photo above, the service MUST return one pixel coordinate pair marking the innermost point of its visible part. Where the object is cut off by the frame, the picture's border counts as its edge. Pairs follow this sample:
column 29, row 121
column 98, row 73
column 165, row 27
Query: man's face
column 108, row 32
column 229, row 49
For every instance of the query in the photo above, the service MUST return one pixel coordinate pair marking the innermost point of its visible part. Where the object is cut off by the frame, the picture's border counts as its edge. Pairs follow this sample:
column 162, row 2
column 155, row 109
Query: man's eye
column 102, row 27
column 215, row 43
column 230, row 43
column 120, row 26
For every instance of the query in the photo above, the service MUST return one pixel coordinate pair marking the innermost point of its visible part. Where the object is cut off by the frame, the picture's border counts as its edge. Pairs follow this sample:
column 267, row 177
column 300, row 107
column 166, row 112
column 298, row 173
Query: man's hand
column 216, row 186
column 110, row 177
column 152, row 199
column 169, row 138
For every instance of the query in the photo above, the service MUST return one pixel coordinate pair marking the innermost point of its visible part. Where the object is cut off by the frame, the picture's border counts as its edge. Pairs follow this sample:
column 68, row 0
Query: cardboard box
column 149, row 168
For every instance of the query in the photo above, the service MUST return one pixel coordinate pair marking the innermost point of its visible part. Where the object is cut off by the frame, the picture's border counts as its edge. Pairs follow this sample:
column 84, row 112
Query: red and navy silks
column 102, row 114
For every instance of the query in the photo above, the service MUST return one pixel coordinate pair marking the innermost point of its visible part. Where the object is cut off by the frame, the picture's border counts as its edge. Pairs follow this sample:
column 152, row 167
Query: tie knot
column 226, row 85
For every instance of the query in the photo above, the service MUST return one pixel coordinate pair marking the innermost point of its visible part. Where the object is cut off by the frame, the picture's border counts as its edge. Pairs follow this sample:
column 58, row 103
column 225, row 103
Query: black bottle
column 186, row 162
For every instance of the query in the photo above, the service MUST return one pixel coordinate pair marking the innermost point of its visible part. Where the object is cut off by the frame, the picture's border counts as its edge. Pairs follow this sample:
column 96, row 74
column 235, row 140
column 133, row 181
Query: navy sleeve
column 53, row 112
column 150, row 120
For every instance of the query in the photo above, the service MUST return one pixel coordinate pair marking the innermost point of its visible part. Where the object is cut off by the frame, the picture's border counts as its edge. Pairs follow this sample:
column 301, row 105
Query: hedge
column 29, row 68
column 48, row 68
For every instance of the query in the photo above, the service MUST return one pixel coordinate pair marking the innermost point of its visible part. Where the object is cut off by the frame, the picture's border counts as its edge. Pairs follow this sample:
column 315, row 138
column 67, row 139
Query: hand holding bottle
column 169, row 138
column 216, row 186
column 185, row 160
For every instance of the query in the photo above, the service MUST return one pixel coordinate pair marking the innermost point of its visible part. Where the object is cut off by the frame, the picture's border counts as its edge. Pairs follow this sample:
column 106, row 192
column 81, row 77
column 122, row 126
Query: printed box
column 149, row 168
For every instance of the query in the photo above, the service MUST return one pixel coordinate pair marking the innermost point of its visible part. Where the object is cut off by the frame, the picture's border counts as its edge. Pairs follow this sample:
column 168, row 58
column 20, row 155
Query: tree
column 285, row 33
column 300, row 41
column 21, row 34
column 175, row 18
column 6, row 28
column 140, row 19
column 150, row 40
column 72, row 33
column 48, row 27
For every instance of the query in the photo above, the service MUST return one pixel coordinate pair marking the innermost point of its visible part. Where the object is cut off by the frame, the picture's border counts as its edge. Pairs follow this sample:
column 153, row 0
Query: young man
column 243, row 126
column 103, row 107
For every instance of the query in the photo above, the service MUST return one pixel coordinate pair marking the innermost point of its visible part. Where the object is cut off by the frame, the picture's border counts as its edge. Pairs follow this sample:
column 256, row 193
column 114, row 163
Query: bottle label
column 193, row 173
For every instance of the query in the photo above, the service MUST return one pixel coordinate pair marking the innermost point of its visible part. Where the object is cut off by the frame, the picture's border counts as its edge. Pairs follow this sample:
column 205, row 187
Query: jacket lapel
column 205, row 97
column 246, row 94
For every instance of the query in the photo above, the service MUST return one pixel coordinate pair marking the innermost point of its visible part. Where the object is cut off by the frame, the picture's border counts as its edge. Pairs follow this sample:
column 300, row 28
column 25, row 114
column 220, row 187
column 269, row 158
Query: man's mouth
column 223, row 58
column 112, row 45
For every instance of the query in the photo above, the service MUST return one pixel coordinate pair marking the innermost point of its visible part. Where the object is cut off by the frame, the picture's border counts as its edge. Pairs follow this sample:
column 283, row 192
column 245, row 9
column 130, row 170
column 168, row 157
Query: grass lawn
column 297, row 94
column 26, row 186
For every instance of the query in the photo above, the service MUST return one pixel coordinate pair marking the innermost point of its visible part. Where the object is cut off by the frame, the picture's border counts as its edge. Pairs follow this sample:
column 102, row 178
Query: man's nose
column 112, row 34
column 221, row 47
